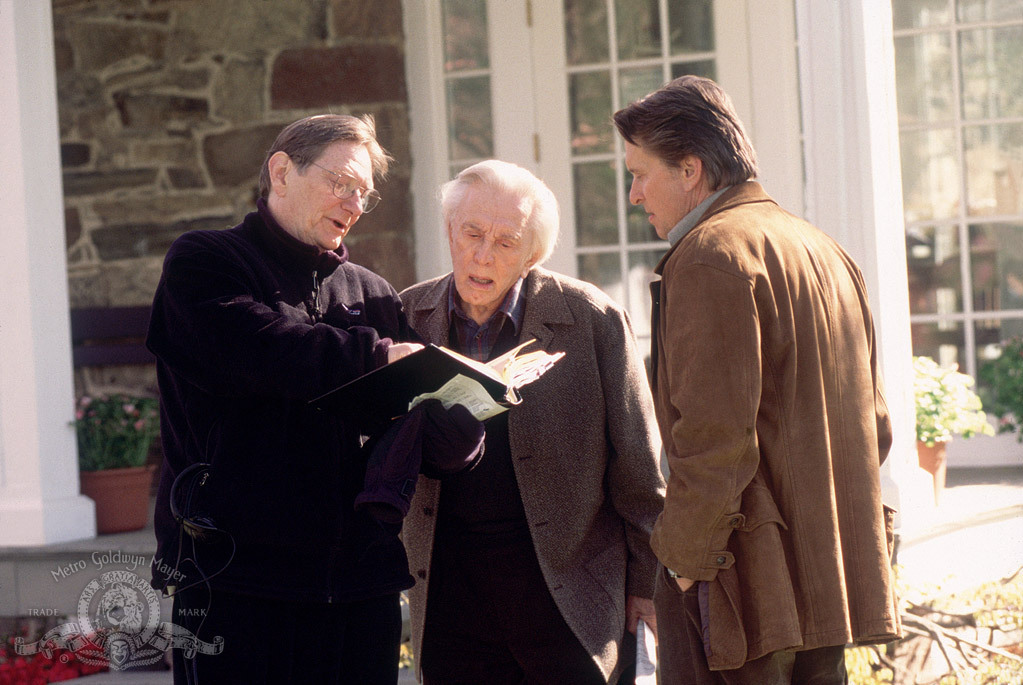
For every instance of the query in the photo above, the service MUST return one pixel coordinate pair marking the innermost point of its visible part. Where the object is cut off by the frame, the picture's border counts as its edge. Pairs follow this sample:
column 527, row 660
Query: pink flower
column 140, row 425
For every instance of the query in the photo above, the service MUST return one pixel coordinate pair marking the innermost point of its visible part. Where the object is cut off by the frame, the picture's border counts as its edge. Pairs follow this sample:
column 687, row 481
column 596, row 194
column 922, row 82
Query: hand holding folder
column 437, row 372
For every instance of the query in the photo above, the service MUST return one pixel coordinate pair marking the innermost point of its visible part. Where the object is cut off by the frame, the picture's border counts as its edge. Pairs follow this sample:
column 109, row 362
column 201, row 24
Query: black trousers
column 272, row 641
column 491, row 619
column 681, row 659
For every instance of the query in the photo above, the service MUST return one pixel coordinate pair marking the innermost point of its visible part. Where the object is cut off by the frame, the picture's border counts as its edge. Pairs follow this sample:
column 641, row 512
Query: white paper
column 646, row 655
column 466, row 392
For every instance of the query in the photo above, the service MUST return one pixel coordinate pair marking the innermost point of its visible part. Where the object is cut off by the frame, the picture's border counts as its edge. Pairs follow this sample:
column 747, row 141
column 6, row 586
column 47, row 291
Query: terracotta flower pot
column 121, row 497
column 932, row 460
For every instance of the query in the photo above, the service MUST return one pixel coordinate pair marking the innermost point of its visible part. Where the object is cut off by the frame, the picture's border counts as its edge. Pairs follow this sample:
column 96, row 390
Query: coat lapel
column 430, row 315
column 545, row 306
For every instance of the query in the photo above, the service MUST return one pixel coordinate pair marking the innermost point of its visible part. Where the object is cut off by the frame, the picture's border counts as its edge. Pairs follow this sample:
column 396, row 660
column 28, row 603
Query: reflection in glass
column 992, row 69
column 455, row 169
column 590, row 102
column 465, row 35
column 990, row 335
column 635, row 83
column 943, row 342
column 595, row 211
column 586, row 31
column 912, row 14
column 638, row 24
column 641, row 272
column 996, row 266
column 994, row 169
column 637, row 228
column 704, row 67
column 923, row 75
column 935, row 283
column 470, row 131
column 930, row 174
column 988, row 10
column 691, row 26
column 603, row 270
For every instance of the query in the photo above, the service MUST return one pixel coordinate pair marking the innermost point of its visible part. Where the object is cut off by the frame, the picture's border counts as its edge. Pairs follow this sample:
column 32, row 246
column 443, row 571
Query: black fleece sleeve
column 210, row 327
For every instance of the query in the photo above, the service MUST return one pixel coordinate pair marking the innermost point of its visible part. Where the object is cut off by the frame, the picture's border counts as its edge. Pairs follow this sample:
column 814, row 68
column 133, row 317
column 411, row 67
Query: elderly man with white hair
column 535, row 565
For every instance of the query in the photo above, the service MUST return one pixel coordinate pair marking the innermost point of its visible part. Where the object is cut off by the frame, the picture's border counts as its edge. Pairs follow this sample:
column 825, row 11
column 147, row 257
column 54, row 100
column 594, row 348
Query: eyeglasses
column 346, row 186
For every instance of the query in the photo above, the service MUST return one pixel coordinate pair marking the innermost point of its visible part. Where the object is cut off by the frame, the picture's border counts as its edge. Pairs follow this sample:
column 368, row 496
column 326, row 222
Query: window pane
column 935, row 284
column 706, row 68
column 991, row 334
column 595, row 212
column 637, row 228
column 909, row 14
column 590, row 101
column 943, row 342
column 470, row 131
column 586, row 31
column 994, row 167
column 604, row 271
column 988, row 10
column 455, row 169
column 465, row 35
column 635, row 83
column 641, row 273
column 930, row 174
column 992, row 68
column 996, row 266
column 923, row 75
column 639, row 29
column 691, row 26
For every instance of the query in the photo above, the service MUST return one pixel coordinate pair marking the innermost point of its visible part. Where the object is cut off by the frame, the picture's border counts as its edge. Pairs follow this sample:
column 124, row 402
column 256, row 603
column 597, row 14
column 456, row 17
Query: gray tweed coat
column 586, row 457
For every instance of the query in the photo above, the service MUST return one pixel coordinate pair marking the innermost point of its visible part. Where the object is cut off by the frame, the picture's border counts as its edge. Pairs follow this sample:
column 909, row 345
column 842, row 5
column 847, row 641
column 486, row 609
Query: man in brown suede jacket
column 773, row 540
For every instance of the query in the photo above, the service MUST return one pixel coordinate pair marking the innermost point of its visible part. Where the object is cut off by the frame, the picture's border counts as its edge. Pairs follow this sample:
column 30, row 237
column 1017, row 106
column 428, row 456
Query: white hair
column 543, row 219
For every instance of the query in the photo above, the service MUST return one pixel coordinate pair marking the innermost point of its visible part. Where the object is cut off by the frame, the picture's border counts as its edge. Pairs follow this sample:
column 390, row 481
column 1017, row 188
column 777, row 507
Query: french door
column 535, row 82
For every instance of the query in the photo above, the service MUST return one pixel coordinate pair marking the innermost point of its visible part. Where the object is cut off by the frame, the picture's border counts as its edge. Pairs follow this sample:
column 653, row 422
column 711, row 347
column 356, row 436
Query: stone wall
column 167, row 108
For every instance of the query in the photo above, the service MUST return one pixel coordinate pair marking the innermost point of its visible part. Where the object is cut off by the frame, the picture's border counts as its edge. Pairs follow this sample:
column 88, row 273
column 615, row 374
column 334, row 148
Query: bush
column 990, row 615
column 1003, row 391
column 946, row 405
column 115, row 432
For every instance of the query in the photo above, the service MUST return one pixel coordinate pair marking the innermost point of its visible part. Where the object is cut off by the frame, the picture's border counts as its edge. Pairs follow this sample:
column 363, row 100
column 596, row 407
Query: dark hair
column 691, row 116
column 306, row 139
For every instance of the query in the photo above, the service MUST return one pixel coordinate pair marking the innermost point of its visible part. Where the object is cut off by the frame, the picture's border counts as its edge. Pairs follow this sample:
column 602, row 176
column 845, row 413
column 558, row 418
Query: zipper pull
column 316, row 314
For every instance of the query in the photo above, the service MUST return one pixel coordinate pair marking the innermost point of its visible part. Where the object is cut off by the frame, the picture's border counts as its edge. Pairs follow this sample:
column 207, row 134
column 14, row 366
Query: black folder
column 385, row 392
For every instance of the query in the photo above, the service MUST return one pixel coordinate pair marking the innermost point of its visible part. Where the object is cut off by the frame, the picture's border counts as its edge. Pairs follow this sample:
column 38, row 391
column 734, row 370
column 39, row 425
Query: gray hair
column 543, row 219
column 306, row 139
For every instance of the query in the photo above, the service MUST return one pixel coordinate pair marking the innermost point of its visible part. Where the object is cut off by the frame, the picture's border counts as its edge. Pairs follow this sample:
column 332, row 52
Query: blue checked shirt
column 477, row 341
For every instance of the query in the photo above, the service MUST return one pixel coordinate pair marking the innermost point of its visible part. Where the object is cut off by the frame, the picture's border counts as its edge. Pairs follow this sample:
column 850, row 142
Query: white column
column 39, row 500
column 854, row 193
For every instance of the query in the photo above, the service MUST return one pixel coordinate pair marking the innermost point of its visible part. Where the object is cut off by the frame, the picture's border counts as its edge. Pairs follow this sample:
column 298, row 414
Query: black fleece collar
column 293, row 251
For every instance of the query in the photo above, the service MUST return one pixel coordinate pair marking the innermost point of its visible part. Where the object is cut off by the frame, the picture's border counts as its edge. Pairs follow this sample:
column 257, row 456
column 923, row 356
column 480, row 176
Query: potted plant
column 114, row 435
column 1003, row 387
column 946, row 406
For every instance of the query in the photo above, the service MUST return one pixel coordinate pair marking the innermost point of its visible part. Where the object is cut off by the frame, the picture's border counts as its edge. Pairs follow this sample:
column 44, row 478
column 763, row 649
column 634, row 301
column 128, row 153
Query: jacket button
column 421, row 573
column 428, row 511
column 720, row 561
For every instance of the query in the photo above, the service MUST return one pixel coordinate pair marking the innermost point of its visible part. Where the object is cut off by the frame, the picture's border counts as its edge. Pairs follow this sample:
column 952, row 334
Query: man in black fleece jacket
column 248, row 325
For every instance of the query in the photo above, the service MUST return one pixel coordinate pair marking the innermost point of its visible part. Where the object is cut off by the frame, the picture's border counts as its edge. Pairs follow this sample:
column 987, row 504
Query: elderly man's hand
column 640, row 608
column 399, row 350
